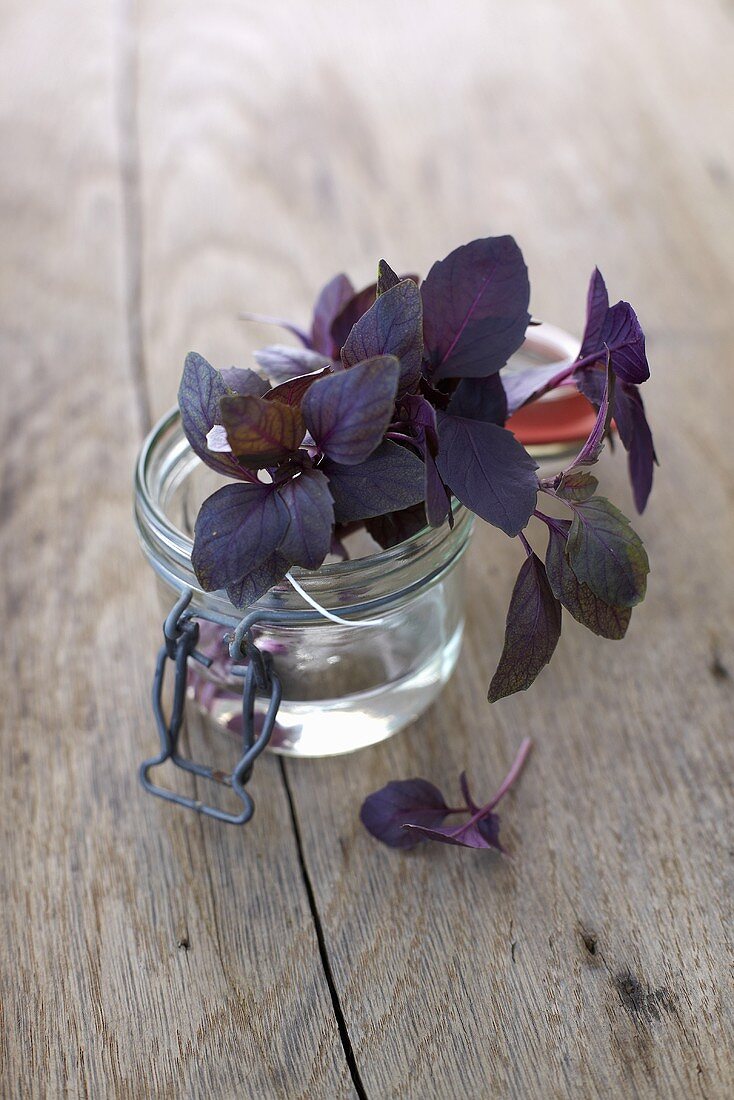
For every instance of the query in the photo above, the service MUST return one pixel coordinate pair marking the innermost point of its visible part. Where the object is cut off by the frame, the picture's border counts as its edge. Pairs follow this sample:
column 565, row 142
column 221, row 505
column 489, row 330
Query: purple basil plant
column 393, row 404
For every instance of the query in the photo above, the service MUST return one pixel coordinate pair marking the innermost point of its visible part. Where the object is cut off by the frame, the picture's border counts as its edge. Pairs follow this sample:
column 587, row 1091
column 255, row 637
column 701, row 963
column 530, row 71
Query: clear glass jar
column 344, row 687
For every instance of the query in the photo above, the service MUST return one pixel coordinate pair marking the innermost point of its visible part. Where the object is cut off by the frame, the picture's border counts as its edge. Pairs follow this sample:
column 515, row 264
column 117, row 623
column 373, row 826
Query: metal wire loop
column 180, row 636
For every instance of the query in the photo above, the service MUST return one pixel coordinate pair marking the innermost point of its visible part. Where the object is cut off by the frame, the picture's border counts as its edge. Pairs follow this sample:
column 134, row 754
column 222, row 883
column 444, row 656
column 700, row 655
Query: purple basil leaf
column 348, row 413
column 331, row 301
column 350, row 314
column 593, row 446
column 201, row 390
column 391, row 479
column 597, row 307
column 259, row 580
column 576, row 485
column 421, row 416
column 281, row 362
column 521, row 386
column 395, row 527
column 386, row 277
column 265, row 319
column 479, row 832
column 393, row 325
column 531, row 633
column 385, row 813
column 634, row 431
column 606, row 554
column 238, row 528
column 598, row 617
column 292, row 391
column 615, row 329
column 475, row 309
column 438, row 497
column 308, row 537
column 480, row 399
column 261, row 432
column 245, row 381
column 488, row 470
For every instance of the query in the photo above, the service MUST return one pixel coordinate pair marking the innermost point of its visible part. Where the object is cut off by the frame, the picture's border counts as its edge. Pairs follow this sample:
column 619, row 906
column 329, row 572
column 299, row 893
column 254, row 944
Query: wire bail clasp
column 180, row 637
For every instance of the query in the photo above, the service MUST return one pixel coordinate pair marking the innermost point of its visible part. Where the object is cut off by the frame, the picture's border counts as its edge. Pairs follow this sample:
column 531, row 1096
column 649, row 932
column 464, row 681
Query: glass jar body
column 344, row 687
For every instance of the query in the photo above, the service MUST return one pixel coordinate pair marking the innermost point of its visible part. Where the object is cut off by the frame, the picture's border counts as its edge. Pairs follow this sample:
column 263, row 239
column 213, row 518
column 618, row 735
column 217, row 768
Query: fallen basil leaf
column 348, row 413
column 606, row 554
column 531, row 633
column 488, row 470
column 385, row 813
column 482, row 833
column 261, row 432
column 389, row 480
column 475, row 309
column 596, row 615
column 393, row 325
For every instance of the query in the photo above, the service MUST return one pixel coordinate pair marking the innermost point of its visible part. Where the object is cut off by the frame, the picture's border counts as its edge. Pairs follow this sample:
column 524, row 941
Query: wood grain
column 263, row 148
column 142, row 952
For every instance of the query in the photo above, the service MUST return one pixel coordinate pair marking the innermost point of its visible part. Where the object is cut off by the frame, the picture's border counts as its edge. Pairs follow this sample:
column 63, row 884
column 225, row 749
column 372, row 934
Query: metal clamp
column 181, row 634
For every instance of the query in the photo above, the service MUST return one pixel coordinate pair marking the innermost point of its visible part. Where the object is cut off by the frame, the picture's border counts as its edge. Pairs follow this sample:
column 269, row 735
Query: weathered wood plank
column 142, row 951
column 277, row 148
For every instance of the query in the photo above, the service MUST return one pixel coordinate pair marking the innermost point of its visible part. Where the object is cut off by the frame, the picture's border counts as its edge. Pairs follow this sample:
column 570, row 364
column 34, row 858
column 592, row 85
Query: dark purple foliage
column 311, row 510
column 331, row 301
column 614, row 330
column 606, row 554
column 393, row 325
column 393, row 406
column 280, row 362
column 245, row 381
column 488, row 470
column 475, row 309
column 201, row 390
column 600, row 618
column 238, row 528
column 480, row 399
column 531, row 633
column 261, row 432
column 389, row 480
column 386, row 277
column 348, row 413
column 345, row 321
column 386, row 813
column 294, row 390
column 403, row 813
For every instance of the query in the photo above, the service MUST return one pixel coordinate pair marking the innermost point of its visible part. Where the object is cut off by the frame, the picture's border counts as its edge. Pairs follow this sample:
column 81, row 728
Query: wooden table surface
column 167, row 164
